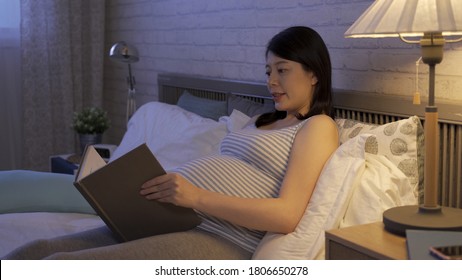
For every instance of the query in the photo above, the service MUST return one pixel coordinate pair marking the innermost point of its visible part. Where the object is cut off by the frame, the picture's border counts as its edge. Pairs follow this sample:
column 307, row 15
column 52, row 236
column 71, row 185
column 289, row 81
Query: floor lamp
column 433, row 21
column 122, row 52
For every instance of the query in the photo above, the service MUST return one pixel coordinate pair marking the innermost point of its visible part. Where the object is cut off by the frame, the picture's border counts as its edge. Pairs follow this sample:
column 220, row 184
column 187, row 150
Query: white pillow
column 382, row 186
column 174, row 135
column 326, row 208
column 236, row 121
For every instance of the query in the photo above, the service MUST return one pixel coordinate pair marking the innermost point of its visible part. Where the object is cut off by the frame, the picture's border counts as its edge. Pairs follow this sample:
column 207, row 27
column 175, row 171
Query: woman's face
column 290, row 85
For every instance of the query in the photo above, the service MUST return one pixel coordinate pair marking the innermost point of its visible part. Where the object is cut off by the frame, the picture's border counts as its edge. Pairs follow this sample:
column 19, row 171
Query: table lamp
column 122, row 52
column 431, row 23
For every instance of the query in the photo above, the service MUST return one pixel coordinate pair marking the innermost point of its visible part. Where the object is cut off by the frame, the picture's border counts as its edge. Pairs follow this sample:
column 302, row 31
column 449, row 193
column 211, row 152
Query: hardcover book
column 112, row 189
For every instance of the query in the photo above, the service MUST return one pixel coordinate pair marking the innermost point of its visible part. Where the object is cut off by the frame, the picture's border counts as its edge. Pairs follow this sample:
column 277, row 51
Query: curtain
column 62, row 51
column 10, row 105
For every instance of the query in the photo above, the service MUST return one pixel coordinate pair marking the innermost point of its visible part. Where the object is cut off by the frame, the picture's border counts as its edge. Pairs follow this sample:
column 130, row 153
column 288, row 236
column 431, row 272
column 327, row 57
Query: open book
column 113, row 191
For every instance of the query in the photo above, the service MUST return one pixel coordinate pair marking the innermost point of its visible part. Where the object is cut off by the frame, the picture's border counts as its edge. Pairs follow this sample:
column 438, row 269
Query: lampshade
column 123, row 52
column 392, row 18
column 432, row 21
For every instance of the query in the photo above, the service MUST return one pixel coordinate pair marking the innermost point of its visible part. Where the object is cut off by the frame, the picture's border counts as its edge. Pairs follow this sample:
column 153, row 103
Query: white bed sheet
column 17, row 229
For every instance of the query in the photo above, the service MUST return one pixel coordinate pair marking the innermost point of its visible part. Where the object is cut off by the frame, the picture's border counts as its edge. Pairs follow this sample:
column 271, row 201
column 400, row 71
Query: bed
column 377, row 166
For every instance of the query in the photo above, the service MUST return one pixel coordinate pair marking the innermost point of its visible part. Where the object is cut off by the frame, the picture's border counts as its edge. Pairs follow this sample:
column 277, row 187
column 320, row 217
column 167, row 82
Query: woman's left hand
column 172, row 188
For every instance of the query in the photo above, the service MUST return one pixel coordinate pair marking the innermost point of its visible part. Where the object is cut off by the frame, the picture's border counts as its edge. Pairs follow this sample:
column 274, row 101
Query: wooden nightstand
column 365, row 242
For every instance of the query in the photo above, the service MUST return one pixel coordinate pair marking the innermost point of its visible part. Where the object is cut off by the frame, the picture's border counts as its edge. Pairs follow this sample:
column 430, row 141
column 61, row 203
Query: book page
column 91, row 162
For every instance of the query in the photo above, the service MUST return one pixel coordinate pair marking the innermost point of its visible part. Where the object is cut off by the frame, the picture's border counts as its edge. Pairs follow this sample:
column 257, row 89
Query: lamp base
column 398, row 219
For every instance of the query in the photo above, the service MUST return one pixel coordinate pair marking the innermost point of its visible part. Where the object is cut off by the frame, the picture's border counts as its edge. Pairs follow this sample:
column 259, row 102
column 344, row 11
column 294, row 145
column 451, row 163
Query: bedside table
column 365, row 242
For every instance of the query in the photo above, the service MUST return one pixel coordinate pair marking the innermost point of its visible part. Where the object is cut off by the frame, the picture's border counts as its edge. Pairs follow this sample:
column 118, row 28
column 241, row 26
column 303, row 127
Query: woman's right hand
column 171, row 188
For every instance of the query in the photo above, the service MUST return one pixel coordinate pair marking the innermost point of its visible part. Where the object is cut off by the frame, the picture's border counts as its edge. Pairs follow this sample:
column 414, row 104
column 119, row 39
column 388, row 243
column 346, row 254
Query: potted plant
column 90, row 124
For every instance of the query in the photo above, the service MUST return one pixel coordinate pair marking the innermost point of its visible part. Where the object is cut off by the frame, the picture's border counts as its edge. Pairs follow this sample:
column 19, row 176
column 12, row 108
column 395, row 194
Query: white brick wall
column 227, row 38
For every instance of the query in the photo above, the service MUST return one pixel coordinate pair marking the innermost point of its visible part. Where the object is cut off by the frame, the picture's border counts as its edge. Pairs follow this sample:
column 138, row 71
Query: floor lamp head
column 122, row 52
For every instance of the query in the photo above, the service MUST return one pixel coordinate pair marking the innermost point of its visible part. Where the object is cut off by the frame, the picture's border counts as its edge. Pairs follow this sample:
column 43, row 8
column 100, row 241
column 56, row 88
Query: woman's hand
column 172, row 188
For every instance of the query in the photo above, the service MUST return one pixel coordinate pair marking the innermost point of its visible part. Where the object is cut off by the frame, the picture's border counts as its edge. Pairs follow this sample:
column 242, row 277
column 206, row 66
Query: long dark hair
column 305, row 46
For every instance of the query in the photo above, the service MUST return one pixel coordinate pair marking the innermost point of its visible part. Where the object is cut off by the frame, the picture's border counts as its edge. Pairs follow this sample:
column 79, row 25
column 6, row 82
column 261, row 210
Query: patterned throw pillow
column 400, row 141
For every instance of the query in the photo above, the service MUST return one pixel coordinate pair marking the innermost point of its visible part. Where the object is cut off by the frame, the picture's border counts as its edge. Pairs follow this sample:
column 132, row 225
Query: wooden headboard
column 365, row 107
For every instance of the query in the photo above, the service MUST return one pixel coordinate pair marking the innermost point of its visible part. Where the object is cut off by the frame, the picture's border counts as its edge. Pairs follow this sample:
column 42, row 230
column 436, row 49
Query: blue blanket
column 32, row 191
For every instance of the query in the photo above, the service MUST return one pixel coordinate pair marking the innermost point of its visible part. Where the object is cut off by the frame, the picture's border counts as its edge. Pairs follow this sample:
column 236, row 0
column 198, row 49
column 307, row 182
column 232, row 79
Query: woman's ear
column 314, row 80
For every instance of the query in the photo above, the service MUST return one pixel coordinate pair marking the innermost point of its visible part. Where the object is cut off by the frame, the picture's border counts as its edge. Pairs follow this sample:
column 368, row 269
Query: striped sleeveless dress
column 251, row 164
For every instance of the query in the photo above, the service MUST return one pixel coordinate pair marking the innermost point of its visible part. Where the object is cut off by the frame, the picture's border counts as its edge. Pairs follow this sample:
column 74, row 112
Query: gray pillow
column 249, row 107
column 206, row 108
